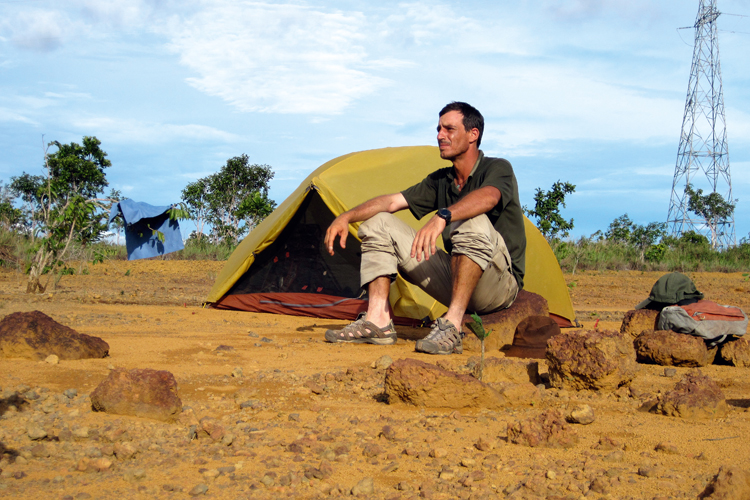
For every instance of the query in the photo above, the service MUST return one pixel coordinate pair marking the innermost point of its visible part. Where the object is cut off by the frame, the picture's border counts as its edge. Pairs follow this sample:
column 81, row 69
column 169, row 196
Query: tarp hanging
column 141, row 220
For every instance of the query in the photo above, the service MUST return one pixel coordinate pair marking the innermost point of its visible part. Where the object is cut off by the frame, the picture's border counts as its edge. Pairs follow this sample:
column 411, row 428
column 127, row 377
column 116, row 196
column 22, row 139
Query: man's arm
column 477, row 202
column 340, row 226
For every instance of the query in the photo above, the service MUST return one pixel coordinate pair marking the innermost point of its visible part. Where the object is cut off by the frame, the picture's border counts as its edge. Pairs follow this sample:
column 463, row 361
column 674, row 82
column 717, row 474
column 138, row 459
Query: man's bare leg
column 465, row 275
column 379, row 310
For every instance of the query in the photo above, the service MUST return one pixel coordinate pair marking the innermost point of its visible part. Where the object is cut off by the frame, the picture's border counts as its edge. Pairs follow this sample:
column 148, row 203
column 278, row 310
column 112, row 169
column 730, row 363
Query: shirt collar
column 451, row 174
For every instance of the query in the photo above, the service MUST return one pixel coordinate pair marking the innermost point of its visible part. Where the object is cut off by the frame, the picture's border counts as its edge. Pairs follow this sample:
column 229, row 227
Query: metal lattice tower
column 703, row 156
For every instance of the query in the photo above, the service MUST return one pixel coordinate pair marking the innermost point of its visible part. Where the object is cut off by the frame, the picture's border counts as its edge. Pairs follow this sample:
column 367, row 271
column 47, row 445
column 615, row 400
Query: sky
column 590, row 92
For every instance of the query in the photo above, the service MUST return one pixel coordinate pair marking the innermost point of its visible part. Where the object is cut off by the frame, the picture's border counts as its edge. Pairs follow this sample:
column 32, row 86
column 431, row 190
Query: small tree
column 63, row 205
column 547, row 210
column 619, row 230
column 477, row 327
column 232, row 201
column 643, row 237
column 711, row 207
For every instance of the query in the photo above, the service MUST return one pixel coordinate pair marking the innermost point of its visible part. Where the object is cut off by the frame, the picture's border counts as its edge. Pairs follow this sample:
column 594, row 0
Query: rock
column 521, row 394
column 200, row 489
column 547, row 429
column 365, row 487
column 423, row 384
column 35, row 432
column 237, row 372
column 638, row 320
column 694, row 396
column 731, row 483
column 581, row 414
column 483, row 444
column 124, row 450
column 438, row 453
column 591, row 360
column 382, row 362
column 52, row 359
column 503, row 323
column 139, row 392
column 667, row 448
column 34, row 335
column 506, row 370
column 736, row 352
column 668, row 348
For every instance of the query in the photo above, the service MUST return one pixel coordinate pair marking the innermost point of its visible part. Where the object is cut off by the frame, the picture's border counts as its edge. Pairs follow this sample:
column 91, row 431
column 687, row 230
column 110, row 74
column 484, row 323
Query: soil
column 309, row 417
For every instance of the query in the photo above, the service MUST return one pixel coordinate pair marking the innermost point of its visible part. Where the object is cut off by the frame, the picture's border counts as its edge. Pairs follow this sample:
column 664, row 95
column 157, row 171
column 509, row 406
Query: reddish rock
column 736, row 352
column 591, row 360
column 695, row 396
column 506, row 370
column 422, row 384
column 503, row 323
column 731, row 483
column 637, row 320
column 547, row 429
column 34, row 335
column 139, row 392
column 668, row 348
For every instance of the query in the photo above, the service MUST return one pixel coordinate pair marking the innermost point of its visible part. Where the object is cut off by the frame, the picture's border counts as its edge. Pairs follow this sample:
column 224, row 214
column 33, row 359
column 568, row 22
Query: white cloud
column 7, row 115
column 133, row 131
column 276, row 58
column 38, row 30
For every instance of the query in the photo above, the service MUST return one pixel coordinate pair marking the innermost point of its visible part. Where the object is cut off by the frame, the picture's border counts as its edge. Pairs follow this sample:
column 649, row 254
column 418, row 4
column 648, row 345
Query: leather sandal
column 362, row 331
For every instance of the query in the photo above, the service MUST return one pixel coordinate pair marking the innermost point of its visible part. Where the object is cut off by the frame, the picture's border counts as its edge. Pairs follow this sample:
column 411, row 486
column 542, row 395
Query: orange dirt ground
column 150, row 313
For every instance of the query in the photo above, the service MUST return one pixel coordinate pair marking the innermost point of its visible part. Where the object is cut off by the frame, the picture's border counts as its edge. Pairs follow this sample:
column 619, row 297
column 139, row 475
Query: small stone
column 252, row 334
column 266, row 339
column 200, row 489
column 139, row 473
column 365, row 487
column 36, row 432
column 294, row 417
column 81, row 432
column 468, row 462
column 237, row 372
column 484, row 445
column 382, row 362
column 551, row 475
column 70, row 393
column 52, row 359
column 668, row 448
column 438, row 453
column 581, row 414
column 670, row 372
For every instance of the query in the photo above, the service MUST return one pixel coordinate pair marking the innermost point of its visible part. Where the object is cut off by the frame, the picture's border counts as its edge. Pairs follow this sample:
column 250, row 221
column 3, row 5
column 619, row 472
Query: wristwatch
column 445, row 214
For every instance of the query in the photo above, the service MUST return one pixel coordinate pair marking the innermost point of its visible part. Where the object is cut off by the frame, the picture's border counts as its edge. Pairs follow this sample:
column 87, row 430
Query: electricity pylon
column 703, row 156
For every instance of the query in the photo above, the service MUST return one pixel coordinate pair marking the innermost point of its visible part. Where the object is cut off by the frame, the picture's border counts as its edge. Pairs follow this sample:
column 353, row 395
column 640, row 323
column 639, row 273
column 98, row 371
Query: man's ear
column 474, row 135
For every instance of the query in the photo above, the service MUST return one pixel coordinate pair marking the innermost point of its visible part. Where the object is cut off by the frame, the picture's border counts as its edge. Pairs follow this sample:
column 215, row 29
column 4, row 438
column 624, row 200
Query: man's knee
column 475, row 238
column 377, row 224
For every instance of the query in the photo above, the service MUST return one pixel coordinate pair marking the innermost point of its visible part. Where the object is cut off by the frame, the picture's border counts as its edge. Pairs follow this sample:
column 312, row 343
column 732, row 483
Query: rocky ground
column 271, row 411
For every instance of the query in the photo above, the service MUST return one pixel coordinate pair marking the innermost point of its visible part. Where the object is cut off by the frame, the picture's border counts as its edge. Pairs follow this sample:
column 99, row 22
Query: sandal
column 362, row 331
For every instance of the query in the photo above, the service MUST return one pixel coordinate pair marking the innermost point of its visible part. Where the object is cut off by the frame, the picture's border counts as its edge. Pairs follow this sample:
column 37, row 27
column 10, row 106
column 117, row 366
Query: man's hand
column 424, row 241
column 339, row 227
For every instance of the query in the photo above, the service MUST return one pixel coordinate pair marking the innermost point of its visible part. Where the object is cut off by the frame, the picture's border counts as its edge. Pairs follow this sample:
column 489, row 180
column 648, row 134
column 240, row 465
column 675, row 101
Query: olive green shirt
column 438, row 190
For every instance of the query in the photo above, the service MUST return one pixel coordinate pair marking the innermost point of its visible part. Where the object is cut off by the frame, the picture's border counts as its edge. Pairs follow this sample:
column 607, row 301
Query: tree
column 195, row 195
column 619, row 230
column 547, row 210
column 711, row 207
column 63, row 205
column 644, row 237
column 232, row 201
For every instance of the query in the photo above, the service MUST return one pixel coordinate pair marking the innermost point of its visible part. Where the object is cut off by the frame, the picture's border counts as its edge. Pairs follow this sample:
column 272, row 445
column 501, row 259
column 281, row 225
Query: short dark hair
column 472, row 117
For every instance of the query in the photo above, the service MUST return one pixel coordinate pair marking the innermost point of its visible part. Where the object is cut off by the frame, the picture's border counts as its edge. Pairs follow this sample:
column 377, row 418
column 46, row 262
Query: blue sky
column 586, row 91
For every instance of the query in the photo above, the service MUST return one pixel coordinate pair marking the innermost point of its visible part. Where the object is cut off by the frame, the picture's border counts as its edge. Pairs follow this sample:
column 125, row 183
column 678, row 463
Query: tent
column 282, row 265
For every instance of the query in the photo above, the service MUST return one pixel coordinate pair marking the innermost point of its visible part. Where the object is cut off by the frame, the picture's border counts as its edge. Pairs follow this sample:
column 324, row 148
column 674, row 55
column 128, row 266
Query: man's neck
column 465, row 163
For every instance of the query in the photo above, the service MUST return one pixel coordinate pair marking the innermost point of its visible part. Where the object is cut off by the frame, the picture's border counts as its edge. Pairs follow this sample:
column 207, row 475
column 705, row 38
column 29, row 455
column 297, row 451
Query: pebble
column 36, row 432
column 52, row 359
column 365, row 486
column 237, row 372
column 581, row 414
column 200, row 489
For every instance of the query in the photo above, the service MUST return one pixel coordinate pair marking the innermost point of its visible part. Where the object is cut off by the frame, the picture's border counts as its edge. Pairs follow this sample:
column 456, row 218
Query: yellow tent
column 281, row 266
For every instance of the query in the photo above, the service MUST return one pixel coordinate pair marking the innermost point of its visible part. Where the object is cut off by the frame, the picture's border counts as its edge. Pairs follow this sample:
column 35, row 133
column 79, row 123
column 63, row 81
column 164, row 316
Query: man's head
column 459, row 131
column 472, row 117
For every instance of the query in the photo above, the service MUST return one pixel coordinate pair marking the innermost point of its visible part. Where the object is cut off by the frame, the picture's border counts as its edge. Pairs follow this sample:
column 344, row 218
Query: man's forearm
column 475, row 203
column 386, row 203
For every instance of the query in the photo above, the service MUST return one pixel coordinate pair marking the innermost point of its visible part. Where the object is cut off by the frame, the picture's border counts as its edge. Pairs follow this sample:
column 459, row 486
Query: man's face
column 453, row 139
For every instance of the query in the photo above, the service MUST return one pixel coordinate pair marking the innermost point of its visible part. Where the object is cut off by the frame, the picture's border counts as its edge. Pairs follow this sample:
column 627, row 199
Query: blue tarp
column 140, row 218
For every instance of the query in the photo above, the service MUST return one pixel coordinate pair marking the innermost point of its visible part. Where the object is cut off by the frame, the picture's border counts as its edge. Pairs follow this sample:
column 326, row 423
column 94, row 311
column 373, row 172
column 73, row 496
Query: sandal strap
column 359, row 329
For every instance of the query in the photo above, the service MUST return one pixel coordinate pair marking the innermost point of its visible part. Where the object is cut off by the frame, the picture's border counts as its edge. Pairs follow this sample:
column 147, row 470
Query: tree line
column 65, row 207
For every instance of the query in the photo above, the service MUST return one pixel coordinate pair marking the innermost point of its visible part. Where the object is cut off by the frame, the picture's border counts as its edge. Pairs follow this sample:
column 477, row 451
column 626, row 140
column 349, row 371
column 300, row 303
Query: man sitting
column 480, row 219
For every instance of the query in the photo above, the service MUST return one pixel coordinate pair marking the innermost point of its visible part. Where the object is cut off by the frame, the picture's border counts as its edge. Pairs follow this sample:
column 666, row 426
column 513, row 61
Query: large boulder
column 591, row 360
column 548, row 429
column 731, row 483
column 637, row 320
column 736, row 352
column 694, row 396
column 140, row 393
column 423, row 384
column 34, row 335
column 503, row 323
column 668, row 348
column 506, row 370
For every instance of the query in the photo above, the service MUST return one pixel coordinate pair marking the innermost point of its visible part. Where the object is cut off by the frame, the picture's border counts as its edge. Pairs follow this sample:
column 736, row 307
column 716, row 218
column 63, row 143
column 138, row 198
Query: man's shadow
column 5, row 403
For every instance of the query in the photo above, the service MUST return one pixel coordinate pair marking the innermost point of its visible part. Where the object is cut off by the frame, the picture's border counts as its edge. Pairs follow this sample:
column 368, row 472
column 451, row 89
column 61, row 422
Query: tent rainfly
column 283, row 267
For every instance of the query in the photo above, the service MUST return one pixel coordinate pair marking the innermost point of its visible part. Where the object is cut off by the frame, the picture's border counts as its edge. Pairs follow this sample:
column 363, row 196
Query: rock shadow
column 739, row 403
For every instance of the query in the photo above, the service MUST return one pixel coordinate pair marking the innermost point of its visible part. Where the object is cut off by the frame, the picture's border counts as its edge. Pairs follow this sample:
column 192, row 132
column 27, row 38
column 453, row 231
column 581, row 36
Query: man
column 480, row 219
